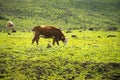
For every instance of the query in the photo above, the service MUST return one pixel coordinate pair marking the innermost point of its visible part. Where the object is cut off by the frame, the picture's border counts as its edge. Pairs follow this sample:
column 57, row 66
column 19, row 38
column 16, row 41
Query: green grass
column 90, row 56
column 85, row 57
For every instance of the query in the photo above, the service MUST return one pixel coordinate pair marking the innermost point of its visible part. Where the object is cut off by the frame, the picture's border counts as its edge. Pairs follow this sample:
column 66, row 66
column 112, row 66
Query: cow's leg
column 37, row 40
column 8, row 30
column 33, row 40
column 53, row 41
column 57, row 42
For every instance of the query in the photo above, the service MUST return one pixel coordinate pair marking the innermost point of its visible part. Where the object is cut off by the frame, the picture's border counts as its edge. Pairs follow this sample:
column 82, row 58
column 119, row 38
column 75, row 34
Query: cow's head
column 36, row 28
column 65, row 40
column 13, row 30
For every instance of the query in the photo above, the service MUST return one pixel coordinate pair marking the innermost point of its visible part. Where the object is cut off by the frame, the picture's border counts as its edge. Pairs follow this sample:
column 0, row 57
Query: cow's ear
column 34, row 29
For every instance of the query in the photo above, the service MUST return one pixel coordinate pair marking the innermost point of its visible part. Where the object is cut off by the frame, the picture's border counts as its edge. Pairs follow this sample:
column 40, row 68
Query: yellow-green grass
column 89, row 55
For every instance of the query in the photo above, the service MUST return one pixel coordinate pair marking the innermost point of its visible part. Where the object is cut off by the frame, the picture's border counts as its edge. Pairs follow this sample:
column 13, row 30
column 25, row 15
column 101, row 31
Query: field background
column 93, row 54
column 75, row 14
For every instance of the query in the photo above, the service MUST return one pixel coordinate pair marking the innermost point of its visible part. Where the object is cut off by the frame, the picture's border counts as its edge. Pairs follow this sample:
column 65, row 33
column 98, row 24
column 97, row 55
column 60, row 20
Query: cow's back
column 50, row 31
column 9, row 24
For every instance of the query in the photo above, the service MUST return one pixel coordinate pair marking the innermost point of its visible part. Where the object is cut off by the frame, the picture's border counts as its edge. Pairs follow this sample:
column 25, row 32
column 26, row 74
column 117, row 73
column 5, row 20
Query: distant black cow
column 49, row 32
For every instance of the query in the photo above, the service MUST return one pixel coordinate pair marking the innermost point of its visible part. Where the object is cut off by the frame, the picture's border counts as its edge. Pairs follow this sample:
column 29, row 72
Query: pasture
column 91, row 55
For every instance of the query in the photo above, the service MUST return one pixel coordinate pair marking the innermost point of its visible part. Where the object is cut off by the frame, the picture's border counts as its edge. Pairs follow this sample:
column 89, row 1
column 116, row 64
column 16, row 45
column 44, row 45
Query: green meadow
column 91, row 55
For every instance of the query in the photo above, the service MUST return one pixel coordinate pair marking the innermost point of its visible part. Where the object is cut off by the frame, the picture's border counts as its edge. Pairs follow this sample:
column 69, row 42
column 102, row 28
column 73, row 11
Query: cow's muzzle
column 66, row 41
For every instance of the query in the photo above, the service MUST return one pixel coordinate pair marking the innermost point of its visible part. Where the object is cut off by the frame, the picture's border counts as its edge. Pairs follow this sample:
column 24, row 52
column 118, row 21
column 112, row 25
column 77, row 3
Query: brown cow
column 49, row 32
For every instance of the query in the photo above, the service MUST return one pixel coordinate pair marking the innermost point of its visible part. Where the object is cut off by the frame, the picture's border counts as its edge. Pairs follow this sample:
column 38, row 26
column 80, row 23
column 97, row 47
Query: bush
column 111, row 28
column 91, row 29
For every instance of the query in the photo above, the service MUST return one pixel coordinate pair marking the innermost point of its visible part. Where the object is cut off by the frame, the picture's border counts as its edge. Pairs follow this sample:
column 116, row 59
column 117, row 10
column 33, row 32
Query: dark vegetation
column 69, row 70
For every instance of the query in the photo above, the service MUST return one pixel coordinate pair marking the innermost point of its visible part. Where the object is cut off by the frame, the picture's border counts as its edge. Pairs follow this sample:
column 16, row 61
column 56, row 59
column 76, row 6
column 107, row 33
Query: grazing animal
column 49, row 32
column 10, row 27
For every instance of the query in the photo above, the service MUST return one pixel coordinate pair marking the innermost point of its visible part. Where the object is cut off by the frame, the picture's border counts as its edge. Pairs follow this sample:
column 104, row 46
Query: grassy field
column 91, row 55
